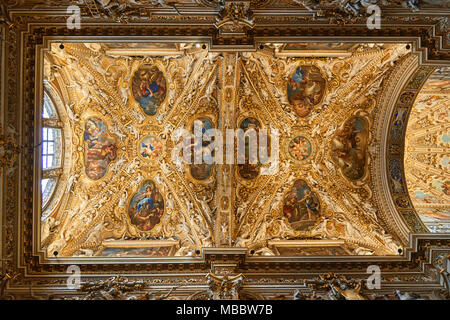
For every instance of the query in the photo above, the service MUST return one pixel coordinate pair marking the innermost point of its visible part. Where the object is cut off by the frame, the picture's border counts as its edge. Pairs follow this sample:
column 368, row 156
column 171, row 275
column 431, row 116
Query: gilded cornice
column 285, row 20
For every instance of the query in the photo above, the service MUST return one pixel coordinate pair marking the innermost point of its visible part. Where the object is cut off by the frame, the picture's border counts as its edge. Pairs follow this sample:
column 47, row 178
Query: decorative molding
column 387, row 100
column 395, row 148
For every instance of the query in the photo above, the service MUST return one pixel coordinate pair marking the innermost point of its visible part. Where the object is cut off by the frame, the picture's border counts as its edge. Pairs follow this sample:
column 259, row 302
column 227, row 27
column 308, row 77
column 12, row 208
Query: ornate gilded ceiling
column 427, row 152
column 312, row 70
column 123, row 191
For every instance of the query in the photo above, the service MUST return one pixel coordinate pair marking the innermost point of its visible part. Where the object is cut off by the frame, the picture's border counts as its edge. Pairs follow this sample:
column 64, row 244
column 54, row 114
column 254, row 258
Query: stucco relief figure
column 301, row 206
column 149, row 88
column 349, row 148
column 146, row 207
column 101, row 149
column 305, row 89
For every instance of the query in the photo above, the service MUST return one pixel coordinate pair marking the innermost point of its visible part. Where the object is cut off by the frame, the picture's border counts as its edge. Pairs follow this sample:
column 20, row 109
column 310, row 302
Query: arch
column 54, row 106
column 427, row 151
column 390, row 123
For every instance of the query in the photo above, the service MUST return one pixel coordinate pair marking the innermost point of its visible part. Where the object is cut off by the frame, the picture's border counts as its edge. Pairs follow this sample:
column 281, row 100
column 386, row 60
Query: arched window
column 51, row 156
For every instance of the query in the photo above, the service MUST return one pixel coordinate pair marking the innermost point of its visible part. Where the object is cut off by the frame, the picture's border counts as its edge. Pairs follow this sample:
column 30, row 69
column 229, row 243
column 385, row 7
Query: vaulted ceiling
column 118, row 142
column 427, row 152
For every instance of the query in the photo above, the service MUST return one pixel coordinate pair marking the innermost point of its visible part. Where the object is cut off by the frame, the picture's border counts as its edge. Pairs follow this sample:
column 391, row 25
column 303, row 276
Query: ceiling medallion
column 150, row 148
column 250, row 170
column 149, row 88
column 146, row 207
column 301, row 206
column 201, row 171
column 101, row 148
column 349, row 147
column 305, row 89
column 301, row 149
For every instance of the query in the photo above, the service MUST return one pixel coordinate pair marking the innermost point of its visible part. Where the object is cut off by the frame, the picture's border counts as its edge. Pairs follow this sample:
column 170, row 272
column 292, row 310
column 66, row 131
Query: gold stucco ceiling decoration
column 125, row 196
column 427, row 152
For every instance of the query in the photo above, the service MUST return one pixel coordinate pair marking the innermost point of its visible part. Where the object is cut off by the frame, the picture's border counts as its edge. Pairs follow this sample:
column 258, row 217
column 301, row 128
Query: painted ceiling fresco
column 121, row 194
column 427, row 152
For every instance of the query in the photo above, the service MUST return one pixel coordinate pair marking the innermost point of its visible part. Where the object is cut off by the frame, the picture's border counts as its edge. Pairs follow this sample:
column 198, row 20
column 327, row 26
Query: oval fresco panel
column 301, row 206
column 146, row 207
column 101, row 149
column 305, row 89
column 149, row 88
column 349, row 148
column 203, row 170
column 247, row 170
